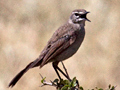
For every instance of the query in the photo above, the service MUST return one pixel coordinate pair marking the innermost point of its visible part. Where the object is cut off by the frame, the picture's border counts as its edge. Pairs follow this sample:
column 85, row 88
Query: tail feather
column 16, row 78
column 21, row 73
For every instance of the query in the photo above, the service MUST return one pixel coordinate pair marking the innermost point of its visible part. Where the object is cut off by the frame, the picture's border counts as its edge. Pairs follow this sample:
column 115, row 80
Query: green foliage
column 66, row 84
column 42, row 81
column 72, row 85
column 109, row 88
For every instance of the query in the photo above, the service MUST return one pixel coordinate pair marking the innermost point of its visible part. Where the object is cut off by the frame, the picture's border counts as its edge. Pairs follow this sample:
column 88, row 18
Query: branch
column 44, row 82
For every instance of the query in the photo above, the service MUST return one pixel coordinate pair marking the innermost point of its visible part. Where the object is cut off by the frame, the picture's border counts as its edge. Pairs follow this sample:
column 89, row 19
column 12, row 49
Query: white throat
column 82, row 23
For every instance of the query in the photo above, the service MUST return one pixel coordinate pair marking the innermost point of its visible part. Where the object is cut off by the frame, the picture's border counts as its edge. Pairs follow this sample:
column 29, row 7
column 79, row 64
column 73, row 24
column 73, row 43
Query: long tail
column 35, row 63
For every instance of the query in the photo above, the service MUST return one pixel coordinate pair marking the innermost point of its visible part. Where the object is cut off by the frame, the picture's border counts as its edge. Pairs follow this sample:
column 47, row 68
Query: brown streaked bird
column 63, row 44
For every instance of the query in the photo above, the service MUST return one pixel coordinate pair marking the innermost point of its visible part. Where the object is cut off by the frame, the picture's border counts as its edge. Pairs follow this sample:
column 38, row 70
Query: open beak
column 85, row 16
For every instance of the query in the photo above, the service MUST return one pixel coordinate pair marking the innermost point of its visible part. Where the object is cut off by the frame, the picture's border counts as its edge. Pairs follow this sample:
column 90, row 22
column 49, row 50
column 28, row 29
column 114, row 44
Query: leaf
column 66, row 82
column 43, row 80
column 81, row 88
column 56, row 81
column 73, row 82
column 113, row 88
column 64, row 87
column 109, row 86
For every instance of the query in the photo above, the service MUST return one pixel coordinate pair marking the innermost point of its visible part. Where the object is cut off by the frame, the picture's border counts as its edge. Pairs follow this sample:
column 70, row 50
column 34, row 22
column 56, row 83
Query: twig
column 47, row 83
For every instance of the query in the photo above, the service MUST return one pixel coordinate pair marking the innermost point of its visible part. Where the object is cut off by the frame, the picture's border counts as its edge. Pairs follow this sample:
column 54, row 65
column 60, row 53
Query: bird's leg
column 55, row 68
column 65, row 71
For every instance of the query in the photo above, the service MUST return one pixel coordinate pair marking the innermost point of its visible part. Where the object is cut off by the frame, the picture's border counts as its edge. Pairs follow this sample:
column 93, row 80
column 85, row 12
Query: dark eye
column 76, row 14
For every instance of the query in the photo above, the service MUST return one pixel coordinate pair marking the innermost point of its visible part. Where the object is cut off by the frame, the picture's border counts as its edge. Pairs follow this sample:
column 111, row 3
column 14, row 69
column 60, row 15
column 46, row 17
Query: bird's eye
column 76, row 14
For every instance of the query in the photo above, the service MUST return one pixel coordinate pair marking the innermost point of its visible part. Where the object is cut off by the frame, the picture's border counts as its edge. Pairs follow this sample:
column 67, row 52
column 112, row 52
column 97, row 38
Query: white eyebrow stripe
column 74, row 12
column 78, row 12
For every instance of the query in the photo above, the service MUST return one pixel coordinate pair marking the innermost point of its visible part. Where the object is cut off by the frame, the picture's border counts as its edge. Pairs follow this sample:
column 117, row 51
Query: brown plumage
column 63, row 44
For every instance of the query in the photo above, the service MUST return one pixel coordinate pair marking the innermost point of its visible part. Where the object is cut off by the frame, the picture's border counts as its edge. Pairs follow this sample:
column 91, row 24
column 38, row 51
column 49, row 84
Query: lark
column 63, row 44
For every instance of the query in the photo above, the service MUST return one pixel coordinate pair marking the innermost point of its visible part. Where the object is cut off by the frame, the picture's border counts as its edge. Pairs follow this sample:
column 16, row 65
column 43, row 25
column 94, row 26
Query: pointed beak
column 86, row 17
column 87, row 12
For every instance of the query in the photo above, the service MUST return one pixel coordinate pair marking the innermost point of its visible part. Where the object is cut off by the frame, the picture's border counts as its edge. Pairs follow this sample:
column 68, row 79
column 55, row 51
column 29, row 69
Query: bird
column 63, row 44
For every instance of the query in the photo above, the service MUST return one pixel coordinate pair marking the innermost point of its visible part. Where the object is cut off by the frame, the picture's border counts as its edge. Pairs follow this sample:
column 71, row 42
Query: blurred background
column 27, row 25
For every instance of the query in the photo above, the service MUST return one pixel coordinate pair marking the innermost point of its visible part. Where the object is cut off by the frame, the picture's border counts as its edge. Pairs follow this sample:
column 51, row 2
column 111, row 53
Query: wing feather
column 59, row 46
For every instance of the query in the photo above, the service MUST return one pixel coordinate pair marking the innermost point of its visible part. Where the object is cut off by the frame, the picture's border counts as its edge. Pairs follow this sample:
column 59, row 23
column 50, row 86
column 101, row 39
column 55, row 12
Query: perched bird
column 64, row 43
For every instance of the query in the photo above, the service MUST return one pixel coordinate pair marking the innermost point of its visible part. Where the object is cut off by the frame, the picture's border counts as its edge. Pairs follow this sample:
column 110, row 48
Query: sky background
column 27, row 25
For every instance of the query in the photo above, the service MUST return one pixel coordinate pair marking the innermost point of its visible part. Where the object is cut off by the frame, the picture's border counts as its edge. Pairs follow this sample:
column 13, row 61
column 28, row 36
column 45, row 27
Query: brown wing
column 55, row 48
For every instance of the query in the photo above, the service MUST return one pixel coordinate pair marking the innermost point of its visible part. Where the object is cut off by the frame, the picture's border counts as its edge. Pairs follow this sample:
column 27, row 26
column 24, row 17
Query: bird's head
column 78, row 16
